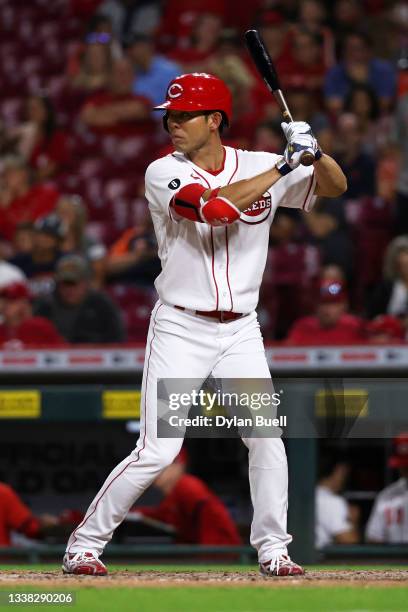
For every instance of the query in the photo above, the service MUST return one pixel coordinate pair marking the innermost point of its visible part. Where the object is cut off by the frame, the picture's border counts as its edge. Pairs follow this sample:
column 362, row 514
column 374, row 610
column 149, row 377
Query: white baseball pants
column 183, row 345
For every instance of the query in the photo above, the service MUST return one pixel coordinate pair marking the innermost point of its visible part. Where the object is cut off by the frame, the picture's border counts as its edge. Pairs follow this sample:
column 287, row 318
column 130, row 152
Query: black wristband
column 282, row 167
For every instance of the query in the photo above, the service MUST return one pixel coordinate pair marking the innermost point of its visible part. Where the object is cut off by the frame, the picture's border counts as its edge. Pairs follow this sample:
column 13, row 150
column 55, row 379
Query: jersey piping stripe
column 308, row 191
column 236, row 167
column 229, row 286
column 139, row 452
column 226, row 234
column 213, row 265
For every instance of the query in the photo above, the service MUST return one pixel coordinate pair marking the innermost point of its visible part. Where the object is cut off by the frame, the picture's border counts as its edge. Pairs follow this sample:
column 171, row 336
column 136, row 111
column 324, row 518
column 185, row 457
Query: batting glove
column 300, row 140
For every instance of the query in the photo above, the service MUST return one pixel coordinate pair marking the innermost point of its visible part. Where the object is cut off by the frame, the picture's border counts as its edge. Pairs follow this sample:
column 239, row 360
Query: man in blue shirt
column 358, row 66
column 153, row 72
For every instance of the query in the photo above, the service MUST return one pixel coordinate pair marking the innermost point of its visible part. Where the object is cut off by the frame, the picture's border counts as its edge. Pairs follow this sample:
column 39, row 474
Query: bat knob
column 307, row 159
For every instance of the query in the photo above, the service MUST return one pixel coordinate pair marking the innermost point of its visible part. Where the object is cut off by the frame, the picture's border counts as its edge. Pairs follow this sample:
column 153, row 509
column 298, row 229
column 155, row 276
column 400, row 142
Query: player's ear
column 214, row 120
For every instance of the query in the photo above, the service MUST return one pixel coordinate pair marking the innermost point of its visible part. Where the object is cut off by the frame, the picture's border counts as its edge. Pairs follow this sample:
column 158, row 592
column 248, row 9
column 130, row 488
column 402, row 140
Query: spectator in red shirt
column 312, row 16
column 196, row 513
column 15, row 516
column 385, row 329
column 332, row 325
column 118, row 111
column 180, row 17
column 19, row 327
column 202, row 43
column 20, row 199
column 307, row 68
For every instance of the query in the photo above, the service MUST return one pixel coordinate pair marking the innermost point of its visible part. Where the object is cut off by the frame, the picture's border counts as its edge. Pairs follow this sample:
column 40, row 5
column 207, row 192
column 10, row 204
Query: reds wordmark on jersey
column 218, row 268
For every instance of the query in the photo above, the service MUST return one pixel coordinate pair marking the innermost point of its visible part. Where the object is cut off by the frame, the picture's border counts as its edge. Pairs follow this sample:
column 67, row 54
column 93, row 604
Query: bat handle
column 307, row 159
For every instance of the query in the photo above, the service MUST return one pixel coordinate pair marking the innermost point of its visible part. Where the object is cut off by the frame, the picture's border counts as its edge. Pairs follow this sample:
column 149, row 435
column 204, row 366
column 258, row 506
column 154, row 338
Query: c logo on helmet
column 258, row 211
column 175, row 91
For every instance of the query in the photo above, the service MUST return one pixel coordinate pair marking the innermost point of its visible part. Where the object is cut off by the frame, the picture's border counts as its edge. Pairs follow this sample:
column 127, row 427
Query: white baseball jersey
column 388, row 520
column 331, row 516
column 218, row 268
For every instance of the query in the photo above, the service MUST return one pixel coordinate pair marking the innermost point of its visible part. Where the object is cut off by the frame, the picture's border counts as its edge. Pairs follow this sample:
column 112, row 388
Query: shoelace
column 281, row 561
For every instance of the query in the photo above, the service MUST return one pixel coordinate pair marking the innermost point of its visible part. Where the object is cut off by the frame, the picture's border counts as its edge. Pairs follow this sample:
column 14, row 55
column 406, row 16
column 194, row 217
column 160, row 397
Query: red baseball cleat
column 281, row 566
column 83, row 563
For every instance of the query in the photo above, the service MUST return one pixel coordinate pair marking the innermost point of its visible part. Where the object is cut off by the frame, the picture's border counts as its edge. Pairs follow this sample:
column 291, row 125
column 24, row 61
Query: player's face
column 189, row 131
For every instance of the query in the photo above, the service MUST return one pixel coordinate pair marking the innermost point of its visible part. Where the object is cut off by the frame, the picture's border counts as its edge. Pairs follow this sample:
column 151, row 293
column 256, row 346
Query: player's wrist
column 283, row 167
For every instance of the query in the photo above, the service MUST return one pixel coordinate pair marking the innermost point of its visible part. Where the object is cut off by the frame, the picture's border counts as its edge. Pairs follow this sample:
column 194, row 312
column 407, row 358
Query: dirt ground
column 161, row 578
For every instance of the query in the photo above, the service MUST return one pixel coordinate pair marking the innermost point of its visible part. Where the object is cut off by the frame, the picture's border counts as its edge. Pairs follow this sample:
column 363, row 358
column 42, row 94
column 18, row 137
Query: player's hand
column 300, row 140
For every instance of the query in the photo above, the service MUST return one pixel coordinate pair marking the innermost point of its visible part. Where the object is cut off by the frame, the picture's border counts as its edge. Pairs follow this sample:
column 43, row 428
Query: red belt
column 223, row 316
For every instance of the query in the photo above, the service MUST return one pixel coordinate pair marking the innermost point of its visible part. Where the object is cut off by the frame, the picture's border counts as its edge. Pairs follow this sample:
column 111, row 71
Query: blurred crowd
column 79, row 78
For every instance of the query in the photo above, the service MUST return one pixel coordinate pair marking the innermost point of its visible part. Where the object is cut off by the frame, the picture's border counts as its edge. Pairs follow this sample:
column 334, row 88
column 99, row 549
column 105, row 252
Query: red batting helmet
column 198, row 91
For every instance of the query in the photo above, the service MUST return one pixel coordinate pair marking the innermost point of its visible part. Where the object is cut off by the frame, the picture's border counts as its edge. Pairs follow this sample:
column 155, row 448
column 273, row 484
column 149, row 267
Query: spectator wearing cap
column 98, row 32
column 20, row 199
column 81, row 314
column 39, row 265
column 117, row 111
column 332, row 324
column 9, row 275
column 388, row 521
column 197, row 514
column 385, row 329
column 20, row 328
column 357, row 65
column 89, row 68
column 153, row 72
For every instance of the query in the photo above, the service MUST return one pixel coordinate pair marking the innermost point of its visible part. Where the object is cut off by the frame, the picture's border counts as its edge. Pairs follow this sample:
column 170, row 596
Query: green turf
column 238, row 599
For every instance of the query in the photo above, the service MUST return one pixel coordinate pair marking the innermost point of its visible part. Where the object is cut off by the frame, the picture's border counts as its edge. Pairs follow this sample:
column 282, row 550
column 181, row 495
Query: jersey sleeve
column 332, row 516
column 296, row 189
column 164, row 178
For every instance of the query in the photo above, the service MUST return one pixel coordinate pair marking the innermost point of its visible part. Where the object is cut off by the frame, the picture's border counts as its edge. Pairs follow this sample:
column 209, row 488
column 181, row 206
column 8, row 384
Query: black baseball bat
column 267, row 70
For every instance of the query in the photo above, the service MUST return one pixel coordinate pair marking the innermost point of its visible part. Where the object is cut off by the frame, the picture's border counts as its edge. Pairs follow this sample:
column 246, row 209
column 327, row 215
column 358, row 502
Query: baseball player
column 212, row 207
column 388, row 522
